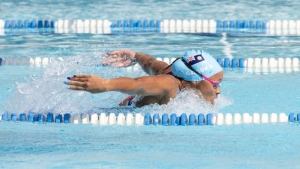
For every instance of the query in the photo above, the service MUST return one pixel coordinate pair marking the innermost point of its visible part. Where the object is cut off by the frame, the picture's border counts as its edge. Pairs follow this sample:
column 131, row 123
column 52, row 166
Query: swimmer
column 194, row 70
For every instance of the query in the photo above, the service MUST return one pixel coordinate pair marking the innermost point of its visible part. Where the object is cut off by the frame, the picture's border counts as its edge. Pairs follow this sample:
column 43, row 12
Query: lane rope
column 224, row 62
column 154, row 119
column 242, row 27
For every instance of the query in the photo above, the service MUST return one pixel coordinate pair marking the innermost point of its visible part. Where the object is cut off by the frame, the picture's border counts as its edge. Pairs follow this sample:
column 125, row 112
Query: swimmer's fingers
column 122, row 64
column 81, row 76
column 116, row 65
column 114, row 54
column 79, row 79
column 76, row 83
column 116, row 61
column 76, row 88
column 121, row 53
column 110, row 61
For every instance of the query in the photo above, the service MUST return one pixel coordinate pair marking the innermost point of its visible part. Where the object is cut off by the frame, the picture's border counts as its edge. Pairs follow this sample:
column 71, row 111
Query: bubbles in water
column 47, row 93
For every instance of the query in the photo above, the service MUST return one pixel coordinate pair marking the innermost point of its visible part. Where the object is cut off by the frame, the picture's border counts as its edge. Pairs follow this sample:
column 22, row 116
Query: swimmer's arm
column 149, row 64
column 147, row 85
column 144, row 86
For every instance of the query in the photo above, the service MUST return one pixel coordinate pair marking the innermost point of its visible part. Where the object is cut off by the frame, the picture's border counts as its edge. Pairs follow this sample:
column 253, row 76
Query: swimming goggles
column 214, row 83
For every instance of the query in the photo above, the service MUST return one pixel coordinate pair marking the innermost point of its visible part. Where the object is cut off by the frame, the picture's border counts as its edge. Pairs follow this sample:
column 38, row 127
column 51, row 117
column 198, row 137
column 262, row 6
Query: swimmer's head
column 195, row 63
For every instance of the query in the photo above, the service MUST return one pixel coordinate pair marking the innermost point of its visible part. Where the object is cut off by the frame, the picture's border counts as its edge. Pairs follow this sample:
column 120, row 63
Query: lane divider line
column 252, row 64
column 153, row 119
column 270, row 27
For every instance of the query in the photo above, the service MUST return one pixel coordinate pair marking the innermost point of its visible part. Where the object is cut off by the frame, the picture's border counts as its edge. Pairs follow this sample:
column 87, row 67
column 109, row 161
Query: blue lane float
column 22, row 117
column 192, row 119
column 226, row 63
column 145, row 24
column 26, row 24
column 183, row 119
column 178, row 120
column 40, row 118
column 156, row 119
column 209, row 118
column 241, row 63
column 152, row 24
column 20, row 24
column 201, row 120
column 119, row 24
column 13, row 24
column 238, row 24
column 40, row 24
column 251, row 24
column 13, row 117
column 147, row 119
column 220, row 61
column 49, row 117
column 173, row 119
column 30, row 117
column 35, row 117
column 5, row 116
column 165, row 119
column 46, row 24
column 125, row 23
column 291, row 117
column 58, row 118
column 231, row 24
column 233, row 63
column 52, row 24
column 67, row 118
column 7, row 24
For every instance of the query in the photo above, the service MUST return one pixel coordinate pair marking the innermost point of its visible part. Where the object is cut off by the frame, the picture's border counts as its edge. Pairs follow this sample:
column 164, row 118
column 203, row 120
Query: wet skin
column 208, row 92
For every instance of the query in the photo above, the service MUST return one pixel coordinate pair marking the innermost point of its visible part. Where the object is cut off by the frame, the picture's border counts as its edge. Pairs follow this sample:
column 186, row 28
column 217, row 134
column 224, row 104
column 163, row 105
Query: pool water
column 39, row 89
column 154, row 9
column 33, row 145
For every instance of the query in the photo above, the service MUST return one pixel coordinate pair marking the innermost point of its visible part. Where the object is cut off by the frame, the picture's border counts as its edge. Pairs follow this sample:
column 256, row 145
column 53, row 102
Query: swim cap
column 200, row 61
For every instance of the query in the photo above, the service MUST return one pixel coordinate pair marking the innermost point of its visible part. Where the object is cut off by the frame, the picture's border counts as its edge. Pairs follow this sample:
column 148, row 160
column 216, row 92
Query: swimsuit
column 129, row 100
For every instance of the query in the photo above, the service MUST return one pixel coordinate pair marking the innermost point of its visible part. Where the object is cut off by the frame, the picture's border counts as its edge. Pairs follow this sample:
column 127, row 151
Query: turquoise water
column 154, row 9
column 32, row 145
column 46, row 145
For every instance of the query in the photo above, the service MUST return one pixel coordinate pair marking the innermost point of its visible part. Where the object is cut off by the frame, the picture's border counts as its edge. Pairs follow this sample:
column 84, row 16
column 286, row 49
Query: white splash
column 188, row 102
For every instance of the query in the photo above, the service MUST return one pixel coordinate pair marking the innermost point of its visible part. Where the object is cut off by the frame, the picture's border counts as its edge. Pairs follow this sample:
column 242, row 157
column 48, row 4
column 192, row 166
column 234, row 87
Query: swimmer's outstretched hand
column 120, row 58
column 89, row 83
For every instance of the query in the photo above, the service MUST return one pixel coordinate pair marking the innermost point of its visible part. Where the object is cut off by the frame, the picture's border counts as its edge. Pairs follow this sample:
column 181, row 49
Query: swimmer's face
column 208, row 91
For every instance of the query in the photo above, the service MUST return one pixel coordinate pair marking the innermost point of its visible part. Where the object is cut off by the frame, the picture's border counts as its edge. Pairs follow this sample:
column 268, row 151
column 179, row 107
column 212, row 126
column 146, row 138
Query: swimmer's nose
column 218, row 90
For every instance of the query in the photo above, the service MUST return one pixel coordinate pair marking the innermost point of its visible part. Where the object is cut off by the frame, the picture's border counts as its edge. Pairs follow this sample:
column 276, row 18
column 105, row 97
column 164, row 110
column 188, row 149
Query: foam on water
column 188, row 101
column 47, row 93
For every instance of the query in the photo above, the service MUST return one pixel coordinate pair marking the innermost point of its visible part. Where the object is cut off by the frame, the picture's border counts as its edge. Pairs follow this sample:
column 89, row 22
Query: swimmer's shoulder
column 168, row 79
column 171, row 85
column 167, row 76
